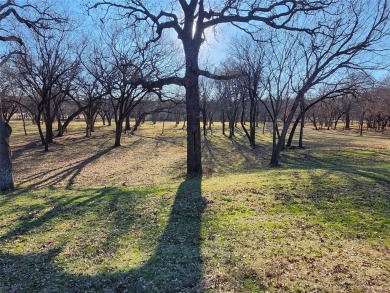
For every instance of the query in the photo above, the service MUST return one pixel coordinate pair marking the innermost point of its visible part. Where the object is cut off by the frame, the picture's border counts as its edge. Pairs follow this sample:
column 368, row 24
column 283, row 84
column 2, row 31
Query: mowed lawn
column 86, row 217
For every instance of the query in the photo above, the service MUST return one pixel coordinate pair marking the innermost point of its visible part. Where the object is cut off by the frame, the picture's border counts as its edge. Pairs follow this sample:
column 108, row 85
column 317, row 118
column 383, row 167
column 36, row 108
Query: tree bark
column 59, row 127
column 361, row 123
column 49, row 126
column 204, row 119
column 70, row 119
column 127, row 125
column 347, row 120
column 276, row 149
column 292, row 132
column 118, row 133
column 6, row 177
column 24, row 121
column 194, row 158
column 39, row 125
column 194, row 161
column 251, row 134
column 223, row 124
column 137, row 123
column 300, row 144
column 88, row 128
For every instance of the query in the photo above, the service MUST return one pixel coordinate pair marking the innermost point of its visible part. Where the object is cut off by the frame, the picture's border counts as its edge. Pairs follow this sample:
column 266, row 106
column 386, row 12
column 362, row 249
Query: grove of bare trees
column 292, row 64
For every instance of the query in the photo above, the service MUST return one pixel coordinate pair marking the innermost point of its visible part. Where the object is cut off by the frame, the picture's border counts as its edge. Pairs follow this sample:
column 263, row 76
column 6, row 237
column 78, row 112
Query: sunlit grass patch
column 296, row 237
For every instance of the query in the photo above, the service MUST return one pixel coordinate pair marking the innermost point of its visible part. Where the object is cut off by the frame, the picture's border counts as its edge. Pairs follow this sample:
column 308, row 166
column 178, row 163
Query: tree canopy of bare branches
column 189, row 20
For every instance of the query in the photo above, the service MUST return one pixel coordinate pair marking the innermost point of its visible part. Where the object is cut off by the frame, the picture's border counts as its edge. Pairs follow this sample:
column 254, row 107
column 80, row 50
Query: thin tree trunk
column 127, row 125
column 337, row 120
column 70, row 119
column 39, row 125
column 300, row 144
column 93, row 122
column 292, row 132
column 252, row 124
column 223, row 123
column 137, row 123
column 211, row 119
column 361, row 124
column 275, row 152
column 118, row 133
column 205, row 127
column 59, row 127
column 281, row 141
column 231, row 128
column 163, row 128
column 347, row 120
column 49, row 126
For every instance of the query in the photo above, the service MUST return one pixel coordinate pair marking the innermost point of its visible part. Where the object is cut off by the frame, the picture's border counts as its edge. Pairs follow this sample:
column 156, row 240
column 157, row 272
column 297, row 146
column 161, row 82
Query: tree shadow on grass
column 175, row 266
column 233, row 155
column 345, row 164
column 55, row 176
column 178, row 141
column 351, row 192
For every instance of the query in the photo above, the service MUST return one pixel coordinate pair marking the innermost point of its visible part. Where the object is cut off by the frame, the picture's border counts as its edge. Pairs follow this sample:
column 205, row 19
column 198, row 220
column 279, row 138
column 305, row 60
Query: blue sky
column 214, row 50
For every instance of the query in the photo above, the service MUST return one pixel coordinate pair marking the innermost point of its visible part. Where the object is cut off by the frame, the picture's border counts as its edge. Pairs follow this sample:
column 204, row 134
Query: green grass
column 86, row 217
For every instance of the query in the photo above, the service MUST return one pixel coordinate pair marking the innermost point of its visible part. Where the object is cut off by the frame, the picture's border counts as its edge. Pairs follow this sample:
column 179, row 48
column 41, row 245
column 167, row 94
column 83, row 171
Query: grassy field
column 86, row 217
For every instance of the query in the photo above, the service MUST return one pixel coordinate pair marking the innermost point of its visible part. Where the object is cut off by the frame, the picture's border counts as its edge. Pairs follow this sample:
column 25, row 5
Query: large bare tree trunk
column 194, row 157
column 194, row 161
column 6, row 177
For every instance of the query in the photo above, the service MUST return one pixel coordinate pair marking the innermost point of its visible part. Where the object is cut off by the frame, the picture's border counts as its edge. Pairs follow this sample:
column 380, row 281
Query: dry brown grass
column 76, row 161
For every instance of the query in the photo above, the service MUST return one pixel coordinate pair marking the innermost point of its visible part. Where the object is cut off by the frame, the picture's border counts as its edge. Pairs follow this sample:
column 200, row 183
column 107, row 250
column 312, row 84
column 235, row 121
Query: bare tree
column 190, row 20
column 207, row 104
column 377, row 109
column 10, row 93
column 228, row 95
column 89, row 97
column 14, row 12
column 48, row 70
column 249, row 57
column 348, row 42
column 330, row 92
column 120, row 66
